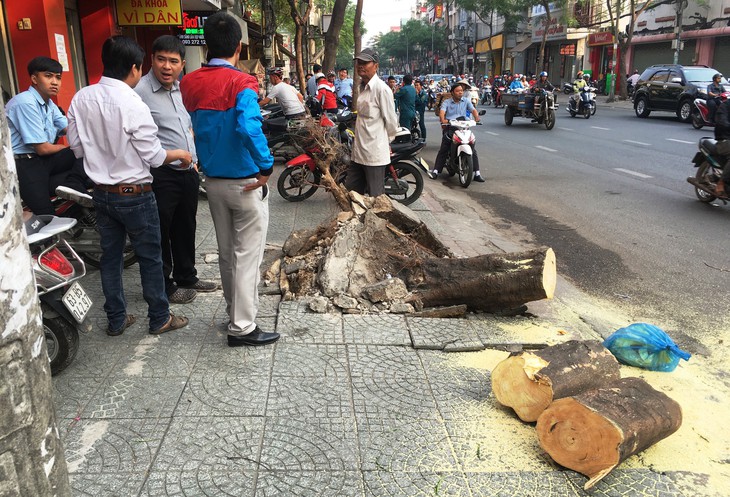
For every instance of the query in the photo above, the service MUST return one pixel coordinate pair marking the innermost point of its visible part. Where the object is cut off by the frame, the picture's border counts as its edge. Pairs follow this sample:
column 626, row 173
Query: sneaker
column 182, row 296
column 174, row 323
column 478, row 178
column 203, row 286
column 433, row 174
column 81, row 198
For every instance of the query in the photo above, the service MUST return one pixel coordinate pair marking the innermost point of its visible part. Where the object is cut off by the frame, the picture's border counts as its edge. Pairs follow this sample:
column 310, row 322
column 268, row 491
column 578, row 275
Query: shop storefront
column 73, row 32
column 489, row 54
column 564, row 49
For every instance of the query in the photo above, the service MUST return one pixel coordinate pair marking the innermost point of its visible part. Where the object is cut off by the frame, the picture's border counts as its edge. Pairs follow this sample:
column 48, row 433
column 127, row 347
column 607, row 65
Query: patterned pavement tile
column 200, row 483
column 135, row 397
column 309, row 484
column 521, row 484
column 72, row 394
column 224, row 392
column 208, row 445
column 96, row 446
column 312, row 361
column 384, row 362
column 301, row 397
column 440, row 334
column 156, row 357
column 376, row 329
column 310, row 444
column 628, row 482
column 111, row 484
column 243, row 360
column 416, row 484
column 405, row 445
column 310, row 328
column 97, row 357
column 268, row 306
column 492, row 443
column 401, row 397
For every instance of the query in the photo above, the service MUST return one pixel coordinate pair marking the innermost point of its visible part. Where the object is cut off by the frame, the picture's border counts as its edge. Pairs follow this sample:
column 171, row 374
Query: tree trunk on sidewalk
column 594, row 431
column 492, row 282
column 530, row 380
column 31, row 455
column 357, row 34
column 332, row 37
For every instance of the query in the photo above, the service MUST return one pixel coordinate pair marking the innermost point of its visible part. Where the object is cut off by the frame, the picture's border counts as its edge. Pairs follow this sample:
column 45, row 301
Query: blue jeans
column 136, row 216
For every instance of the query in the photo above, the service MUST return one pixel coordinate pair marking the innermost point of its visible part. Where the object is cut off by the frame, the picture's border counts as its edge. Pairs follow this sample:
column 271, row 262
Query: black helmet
column 717, row 76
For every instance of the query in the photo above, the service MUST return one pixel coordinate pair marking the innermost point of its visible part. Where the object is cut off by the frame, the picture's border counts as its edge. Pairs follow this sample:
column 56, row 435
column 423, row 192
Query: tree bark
column 593, row 432
column 492, row 282
column 332, row 37
column 298, row 40
column 357, row 35
column 529, row 381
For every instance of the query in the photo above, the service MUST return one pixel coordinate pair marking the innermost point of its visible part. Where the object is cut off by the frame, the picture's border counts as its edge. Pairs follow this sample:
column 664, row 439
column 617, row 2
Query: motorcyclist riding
column 714, row 90
column 578, row 84
column 722, row 132
column 543, row 83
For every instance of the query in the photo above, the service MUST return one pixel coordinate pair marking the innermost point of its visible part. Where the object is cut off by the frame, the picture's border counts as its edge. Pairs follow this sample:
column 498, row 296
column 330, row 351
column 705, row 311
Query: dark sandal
column 174, row 323
column 129, row 320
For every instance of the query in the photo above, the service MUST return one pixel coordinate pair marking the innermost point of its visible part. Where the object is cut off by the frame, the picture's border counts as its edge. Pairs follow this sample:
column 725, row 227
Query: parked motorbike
column 710, row 164
column 57, row 269
column 84, row 235
column 459, row 160
column 403, row 176
column 701, row 112
column 586, row 103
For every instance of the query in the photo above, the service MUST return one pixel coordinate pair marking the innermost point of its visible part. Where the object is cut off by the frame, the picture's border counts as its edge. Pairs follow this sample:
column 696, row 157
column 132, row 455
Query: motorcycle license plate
column 77, row 302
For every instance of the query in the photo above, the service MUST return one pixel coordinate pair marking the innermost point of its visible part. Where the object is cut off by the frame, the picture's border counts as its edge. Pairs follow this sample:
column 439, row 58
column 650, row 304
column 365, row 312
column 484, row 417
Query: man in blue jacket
column 235, row 158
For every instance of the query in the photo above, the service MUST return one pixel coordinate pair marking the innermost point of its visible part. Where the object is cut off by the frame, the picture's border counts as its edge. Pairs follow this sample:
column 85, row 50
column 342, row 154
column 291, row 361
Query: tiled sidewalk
column 355, row 405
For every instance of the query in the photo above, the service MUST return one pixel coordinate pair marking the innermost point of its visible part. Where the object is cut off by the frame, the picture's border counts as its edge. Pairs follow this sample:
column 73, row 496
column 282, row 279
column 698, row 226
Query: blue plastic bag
column 645, row 346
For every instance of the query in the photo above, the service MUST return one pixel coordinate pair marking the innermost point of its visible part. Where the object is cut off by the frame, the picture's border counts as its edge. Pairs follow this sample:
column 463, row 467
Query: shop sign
column 567, row 49
column 191, row 30
column 602, row 38
column 555, row 31
column 149, row 12
column 439, row 11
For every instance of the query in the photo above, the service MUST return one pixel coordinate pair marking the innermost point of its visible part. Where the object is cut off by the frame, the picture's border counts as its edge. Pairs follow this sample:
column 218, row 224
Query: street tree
column 299, row 12
column 332, row 36
column 357, row 33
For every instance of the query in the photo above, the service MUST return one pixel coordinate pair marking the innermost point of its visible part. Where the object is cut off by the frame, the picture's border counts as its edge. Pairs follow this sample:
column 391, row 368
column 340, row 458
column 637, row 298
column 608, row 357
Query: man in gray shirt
column 175, row 185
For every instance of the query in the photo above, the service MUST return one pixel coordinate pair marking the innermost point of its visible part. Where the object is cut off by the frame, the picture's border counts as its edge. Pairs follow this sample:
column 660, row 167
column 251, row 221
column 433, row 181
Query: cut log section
column 529, row 381
column 492, row 282
column 594, row 431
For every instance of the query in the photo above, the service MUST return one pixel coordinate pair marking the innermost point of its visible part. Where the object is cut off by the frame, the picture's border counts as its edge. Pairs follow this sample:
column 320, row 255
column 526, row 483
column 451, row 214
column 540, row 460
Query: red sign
column 602, row 38
column 439, row 11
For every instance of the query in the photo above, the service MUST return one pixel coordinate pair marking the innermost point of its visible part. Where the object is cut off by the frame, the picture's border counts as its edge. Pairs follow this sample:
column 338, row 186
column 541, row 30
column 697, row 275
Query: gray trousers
column 361, row 178
column 241, row 220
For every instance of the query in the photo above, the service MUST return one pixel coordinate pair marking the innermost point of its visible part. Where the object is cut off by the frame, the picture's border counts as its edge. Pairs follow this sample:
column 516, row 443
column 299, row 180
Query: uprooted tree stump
column 529, row 381
column 377, row 239
column 594, row 431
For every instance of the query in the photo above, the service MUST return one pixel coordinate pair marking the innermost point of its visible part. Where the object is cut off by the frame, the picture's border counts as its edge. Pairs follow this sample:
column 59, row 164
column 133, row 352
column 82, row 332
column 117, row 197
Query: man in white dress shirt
column 112, row 129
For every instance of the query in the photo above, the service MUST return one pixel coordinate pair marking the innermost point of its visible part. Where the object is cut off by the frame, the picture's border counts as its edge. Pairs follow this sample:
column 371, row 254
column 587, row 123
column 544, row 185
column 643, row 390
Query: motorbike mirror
column 482, row 112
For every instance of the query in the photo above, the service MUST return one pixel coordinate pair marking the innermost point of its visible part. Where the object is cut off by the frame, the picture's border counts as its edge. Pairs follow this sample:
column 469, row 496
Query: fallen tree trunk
column 594, row 431
column 492, row 282
column 529, row 381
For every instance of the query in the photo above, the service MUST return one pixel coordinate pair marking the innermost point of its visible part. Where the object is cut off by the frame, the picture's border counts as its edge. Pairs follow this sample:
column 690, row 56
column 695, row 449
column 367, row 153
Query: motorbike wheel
column 93, row 259
column 508, row 116
column 415, row 135
column 62, row 342
column 406, row 174
column 586, row 112
column 594, row 107
column 466, row 169
column 550, row 119
column 697, row 120
column 702, row 176
column 87, row 224
column 298, row 183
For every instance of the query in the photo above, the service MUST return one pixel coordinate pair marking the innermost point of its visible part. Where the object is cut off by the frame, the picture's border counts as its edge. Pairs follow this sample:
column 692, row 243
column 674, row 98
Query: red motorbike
column 701, row 113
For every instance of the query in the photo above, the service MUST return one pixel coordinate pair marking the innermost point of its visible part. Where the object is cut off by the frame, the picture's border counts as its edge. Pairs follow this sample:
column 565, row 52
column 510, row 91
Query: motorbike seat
column 405, row 149
column 274, row 125
column 709, row 145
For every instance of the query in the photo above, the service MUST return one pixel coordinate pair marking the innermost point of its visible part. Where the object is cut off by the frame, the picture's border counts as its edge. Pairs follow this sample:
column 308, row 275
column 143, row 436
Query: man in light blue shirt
column 343, row 87
column 454, row 108
column 35, row 123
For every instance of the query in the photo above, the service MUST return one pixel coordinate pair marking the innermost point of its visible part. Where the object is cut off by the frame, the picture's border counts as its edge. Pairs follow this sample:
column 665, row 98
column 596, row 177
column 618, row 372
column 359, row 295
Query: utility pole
column 681, row 4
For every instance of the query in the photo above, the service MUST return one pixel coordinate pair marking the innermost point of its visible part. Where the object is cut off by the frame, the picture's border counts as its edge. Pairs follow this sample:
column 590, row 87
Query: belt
column 25, row 156
column 125, row 189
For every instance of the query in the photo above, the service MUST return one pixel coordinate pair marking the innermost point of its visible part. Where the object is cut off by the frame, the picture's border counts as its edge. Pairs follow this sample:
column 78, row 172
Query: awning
column 521, row 46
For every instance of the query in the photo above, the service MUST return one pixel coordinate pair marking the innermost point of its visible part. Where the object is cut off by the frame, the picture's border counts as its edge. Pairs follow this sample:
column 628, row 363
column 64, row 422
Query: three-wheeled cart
column 538, row 105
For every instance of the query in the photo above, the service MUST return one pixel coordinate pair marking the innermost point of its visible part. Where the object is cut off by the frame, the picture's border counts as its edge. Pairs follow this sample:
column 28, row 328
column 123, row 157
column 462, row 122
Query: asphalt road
column 609, row 194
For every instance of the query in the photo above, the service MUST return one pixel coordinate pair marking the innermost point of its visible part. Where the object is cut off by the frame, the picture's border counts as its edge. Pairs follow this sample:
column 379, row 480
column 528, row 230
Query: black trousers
column 712, row 105
column 444, row 153
column 177, row 202
column 40, row 176
column 362, row 179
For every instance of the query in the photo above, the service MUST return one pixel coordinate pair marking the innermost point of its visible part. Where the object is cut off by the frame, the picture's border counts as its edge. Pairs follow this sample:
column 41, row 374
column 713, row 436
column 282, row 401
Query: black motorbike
column 710, row 164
